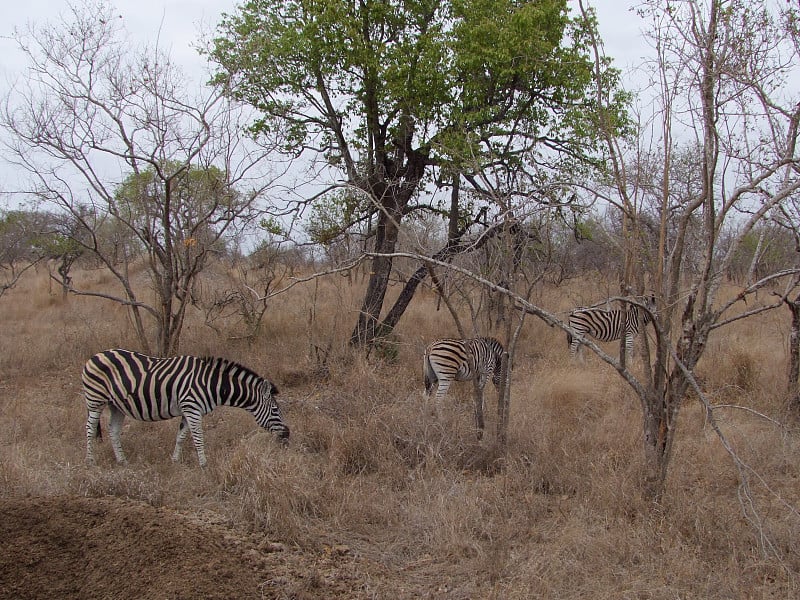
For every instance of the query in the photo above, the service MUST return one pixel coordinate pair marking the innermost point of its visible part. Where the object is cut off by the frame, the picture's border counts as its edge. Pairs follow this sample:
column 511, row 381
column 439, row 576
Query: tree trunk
column 794, row 356
column 657, row 434
column 503, row 405
column 367, row 329
column 663, row 401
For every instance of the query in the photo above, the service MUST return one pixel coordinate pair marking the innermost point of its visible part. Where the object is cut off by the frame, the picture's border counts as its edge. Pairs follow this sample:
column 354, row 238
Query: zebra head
column 267, row 412
column 650, row 305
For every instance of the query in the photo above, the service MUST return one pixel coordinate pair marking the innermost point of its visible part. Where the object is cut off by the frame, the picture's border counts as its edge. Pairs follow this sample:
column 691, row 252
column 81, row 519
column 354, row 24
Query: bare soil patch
column 71, row 547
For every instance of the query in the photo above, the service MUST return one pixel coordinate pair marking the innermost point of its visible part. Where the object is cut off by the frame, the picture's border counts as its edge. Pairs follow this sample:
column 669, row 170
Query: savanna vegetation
column 357, row 180
column 410, row 505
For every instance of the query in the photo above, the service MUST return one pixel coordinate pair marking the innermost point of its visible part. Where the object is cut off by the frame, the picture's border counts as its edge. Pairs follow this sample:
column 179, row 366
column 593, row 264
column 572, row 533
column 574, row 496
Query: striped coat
column 149, row 388
column 451, row 360
column 608, row 325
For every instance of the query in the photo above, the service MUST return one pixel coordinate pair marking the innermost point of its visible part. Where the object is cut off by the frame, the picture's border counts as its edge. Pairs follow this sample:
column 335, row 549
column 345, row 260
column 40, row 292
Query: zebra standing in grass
column 147, row 388
column 451, row 360
column 608, row 325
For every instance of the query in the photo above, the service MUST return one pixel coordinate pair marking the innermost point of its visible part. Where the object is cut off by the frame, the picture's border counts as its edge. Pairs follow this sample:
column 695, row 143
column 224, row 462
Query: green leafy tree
column 396, row 95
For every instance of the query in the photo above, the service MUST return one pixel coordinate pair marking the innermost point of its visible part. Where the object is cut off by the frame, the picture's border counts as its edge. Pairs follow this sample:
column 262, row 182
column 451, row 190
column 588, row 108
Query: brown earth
column 73, row 547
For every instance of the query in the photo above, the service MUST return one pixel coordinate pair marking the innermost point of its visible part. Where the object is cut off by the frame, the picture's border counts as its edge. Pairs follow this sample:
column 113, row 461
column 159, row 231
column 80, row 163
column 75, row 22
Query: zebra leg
column 183, row 431
column 92, row 428
column 195, row 425
column 441, row 392
column 479, row 423
column 629, row 346
column 575, row 349
column 114, row 431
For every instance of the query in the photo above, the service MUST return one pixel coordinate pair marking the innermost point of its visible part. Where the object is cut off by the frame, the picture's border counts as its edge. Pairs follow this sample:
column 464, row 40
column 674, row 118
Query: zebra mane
column 493, row 341
column 226, row 365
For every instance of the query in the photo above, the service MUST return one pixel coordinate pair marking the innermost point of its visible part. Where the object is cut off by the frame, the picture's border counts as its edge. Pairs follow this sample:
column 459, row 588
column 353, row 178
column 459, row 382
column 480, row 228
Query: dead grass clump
column 576, row 427
column 312, row 431
column 273, row 490
column 359, row 450
column 25, row 471
column 744, row 373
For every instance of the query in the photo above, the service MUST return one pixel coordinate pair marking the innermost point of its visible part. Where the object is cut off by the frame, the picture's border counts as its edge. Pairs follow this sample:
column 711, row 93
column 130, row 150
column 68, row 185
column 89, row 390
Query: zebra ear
column 274, row 391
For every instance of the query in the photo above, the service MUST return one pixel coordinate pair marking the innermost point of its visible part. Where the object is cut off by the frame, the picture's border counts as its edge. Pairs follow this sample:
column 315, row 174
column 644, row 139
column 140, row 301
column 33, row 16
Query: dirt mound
column 72, row 547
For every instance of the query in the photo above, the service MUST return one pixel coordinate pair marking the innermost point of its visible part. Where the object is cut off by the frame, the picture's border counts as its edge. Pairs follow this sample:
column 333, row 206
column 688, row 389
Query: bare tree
column 114, row 136
column 719, row 72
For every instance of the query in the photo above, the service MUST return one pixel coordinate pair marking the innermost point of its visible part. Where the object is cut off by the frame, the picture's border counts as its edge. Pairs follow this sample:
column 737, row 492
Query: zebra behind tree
column 609, row 325
column 451, row 360
column 148, row 388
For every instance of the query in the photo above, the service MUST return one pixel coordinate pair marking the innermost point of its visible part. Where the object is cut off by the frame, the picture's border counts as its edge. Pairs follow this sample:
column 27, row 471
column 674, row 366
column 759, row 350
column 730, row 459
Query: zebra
column 608, row 325
column 451, row 360
column 148, row 388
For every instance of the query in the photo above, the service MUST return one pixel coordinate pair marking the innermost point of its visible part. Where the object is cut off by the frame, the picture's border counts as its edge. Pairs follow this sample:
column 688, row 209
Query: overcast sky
column 177, row 25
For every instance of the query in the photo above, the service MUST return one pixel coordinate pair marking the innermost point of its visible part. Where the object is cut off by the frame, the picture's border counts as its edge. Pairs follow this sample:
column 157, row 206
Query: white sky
column 177, row 24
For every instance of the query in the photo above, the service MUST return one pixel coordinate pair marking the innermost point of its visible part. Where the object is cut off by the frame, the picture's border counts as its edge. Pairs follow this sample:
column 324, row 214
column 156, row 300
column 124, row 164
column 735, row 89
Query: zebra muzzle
column 283, row 436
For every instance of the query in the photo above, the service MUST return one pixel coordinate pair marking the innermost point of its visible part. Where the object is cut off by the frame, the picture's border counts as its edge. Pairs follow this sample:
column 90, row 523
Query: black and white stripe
column 608, row 325
column 148, row 388
column 461, row 360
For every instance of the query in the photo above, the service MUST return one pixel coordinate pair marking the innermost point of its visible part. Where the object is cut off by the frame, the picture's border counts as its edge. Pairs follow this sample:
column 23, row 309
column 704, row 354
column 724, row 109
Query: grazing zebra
column 147, row 388
column 608, row 325
column 461, row 360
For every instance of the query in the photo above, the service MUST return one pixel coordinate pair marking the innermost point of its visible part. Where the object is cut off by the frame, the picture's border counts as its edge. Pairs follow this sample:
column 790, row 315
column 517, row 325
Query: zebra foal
column 148, row 388
column 608, row 325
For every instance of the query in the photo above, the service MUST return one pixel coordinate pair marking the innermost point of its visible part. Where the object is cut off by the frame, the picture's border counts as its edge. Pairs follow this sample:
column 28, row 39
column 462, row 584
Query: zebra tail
column 430, row 375
column 569, row 339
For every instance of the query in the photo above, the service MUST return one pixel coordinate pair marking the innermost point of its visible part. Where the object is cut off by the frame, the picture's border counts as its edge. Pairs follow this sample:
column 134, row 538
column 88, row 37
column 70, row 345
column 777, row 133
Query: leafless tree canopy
column 154, row 170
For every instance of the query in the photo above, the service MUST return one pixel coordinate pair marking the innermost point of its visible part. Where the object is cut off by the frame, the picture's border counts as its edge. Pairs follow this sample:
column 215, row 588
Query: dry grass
column 369, row 468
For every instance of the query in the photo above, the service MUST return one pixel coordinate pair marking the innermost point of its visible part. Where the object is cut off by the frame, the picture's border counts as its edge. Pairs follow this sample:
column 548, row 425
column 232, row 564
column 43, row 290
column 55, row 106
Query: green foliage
column 388, row 90
column 585, row 230
column 333, row 214
column 271, row 226
column 386, row 344
column 15, row 236
column 34, row 234
column 188, row 205
column 323, row 69
column 57, row 244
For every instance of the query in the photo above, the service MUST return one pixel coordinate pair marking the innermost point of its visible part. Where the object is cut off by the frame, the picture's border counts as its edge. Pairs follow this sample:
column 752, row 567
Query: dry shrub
column 313, row 431
column 575, row 426
column 359, row 450
column 744, row 374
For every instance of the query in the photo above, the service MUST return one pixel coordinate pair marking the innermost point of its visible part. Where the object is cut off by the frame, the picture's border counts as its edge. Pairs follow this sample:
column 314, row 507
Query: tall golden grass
column 369, row 467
